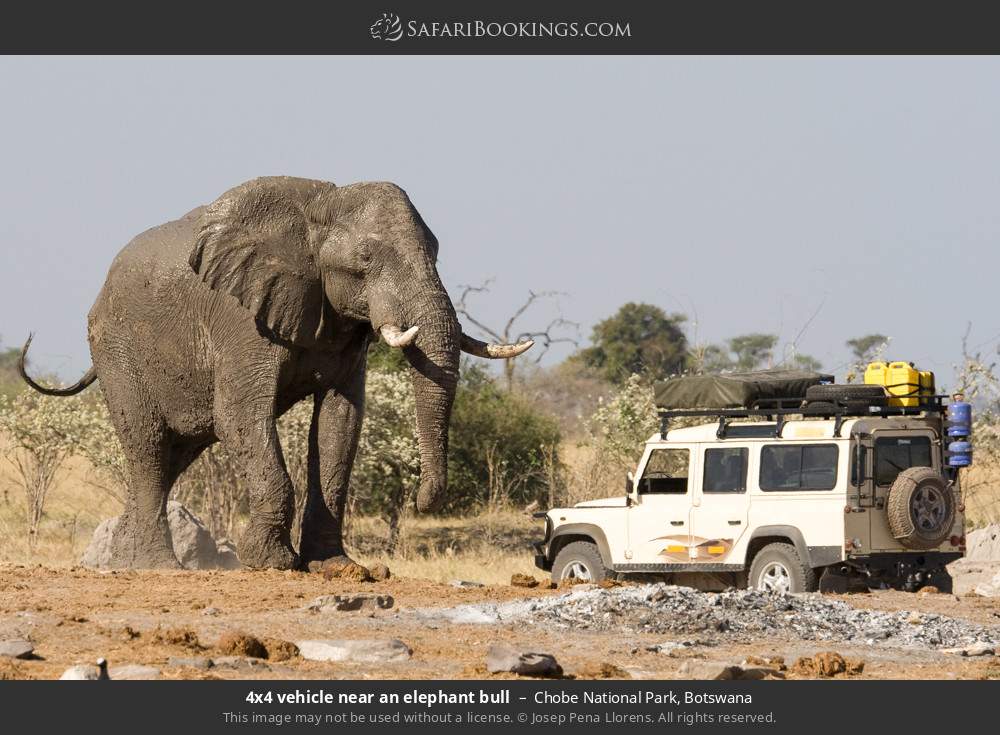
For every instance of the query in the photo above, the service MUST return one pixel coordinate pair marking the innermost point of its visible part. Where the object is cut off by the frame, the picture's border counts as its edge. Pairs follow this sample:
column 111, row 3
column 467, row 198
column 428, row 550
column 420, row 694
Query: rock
column 379, row 650
column 668, row 647
column 16, row 649
column 194, row 662
column 976, row 649
column 239, row 663
column 227, row 558
column 708, row 670
column 983, row 544
column 989, row 589
column 379, row 572
column 341, row 603
column 502, row 658
column 193, row 544
column 241, row 644
column 87, row 672
column 135, row 672
column 465, row 584
column 523, row 580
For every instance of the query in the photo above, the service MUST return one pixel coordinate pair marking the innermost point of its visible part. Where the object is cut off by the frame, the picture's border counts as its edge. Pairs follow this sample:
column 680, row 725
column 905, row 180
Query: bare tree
column 558, row 330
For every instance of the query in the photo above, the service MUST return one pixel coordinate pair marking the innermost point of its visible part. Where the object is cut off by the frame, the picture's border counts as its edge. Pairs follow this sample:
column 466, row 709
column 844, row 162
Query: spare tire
column 848, row 393
column 921, row 508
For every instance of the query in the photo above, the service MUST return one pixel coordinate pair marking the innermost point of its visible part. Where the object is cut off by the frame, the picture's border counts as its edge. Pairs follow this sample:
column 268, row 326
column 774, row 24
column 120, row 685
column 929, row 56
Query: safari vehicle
column 789, row 483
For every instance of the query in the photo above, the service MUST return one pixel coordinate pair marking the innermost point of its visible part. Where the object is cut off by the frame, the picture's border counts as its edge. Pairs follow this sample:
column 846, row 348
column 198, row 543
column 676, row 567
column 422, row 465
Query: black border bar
column 665, row 27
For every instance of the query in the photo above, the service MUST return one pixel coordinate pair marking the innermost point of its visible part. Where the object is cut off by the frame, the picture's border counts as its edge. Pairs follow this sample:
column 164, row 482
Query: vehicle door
column 895, row 451
column 657, row 521
column 721, row 503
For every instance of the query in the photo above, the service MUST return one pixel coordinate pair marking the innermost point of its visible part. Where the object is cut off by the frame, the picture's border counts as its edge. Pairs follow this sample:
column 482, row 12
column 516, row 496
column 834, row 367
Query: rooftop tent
column 734, row 390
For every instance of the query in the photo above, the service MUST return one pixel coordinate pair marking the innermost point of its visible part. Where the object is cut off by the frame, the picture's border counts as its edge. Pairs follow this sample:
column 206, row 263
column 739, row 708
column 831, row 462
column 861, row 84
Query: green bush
column 501, row 448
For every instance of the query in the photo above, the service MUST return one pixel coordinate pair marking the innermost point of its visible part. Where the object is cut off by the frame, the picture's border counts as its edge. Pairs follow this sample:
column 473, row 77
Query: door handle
column 735, row 523
column 676, row 523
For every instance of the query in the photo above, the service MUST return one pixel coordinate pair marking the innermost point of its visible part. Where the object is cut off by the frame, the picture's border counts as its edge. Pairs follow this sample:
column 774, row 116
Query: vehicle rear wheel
column 778, row 568
column 579, row 560
column 920, row 508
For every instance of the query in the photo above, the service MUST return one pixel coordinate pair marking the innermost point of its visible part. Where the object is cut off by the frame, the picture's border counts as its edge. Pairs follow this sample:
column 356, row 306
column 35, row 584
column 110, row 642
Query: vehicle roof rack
column 777, row 409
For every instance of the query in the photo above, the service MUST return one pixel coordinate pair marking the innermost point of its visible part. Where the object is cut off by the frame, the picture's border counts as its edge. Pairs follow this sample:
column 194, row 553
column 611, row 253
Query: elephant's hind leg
column 141, row 538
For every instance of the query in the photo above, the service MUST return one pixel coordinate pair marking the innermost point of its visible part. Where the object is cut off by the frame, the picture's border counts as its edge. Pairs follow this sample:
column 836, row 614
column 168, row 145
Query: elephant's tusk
column 396, row 337
column 491, row 351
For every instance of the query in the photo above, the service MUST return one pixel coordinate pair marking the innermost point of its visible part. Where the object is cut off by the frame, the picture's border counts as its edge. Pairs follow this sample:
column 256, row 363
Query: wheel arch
column 764, row 535
column 571, row 532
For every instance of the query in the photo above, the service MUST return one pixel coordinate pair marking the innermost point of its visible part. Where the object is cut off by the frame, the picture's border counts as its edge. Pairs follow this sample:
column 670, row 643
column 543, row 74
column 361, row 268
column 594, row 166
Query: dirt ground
column 77, row 615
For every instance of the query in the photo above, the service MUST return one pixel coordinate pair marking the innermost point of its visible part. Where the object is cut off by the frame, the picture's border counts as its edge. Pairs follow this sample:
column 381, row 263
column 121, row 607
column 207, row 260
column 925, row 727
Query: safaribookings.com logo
column 390, row 28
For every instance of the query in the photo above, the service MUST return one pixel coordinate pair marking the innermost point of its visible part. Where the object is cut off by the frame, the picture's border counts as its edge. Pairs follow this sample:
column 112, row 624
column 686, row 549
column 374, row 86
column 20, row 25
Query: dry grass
column 981, row 491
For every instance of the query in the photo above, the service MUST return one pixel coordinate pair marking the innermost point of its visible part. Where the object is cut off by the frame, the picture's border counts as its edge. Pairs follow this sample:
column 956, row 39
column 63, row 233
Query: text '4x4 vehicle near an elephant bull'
column 210, row 327
column 797, row 484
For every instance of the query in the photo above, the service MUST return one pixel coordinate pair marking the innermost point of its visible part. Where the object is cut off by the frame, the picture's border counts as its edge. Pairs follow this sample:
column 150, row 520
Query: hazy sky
column 749, row 193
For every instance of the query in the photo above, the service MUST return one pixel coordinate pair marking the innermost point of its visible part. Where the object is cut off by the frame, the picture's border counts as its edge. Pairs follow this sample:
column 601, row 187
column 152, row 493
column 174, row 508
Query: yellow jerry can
column 877, row 373
column 927, row 387
column 904, row 384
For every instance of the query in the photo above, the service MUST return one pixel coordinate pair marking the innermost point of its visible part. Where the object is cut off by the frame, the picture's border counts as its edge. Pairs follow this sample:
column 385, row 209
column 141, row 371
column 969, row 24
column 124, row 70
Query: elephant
column 210, row 327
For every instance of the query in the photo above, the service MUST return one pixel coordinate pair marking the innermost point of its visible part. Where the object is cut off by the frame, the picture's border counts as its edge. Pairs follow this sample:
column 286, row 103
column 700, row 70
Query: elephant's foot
column 141, row 546
column 263, row 547
column 341, row 567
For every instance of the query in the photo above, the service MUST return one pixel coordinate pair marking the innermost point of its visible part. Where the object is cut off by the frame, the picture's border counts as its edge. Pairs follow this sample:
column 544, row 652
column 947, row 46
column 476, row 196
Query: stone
column 16, row 649
column 667, row 647
column 378, row 650
column 502, row 658
column 379, row 572
column 708, row 670
column 983, row 544
column 194, row 662
column 341, row 603
column 227, row 558
column 136, row 672
column 193, row 544
column 86, row 672
column 976, row 649
column 989, row 589
column 465, row 584
column 239, row 663
column 523, row 580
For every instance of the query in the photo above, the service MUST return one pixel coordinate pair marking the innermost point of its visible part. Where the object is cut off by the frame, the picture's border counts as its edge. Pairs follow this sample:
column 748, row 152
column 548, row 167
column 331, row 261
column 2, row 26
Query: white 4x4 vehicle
column 786, row 499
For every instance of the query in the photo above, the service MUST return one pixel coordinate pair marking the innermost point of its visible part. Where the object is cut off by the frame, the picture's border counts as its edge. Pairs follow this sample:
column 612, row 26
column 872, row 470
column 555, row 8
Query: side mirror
column 629, row 483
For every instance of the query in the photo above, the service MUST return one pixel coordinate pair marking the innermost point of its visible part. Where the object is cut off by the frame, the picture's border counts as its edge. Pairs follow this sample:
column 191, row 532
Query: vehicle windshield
column 893, row 454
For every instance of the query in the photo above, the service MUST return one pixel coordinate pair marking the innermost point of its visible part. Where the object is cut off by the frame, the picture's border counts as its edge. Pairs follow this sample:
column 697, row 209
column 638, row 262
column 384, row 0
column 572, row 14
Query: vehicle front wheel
column 579, row 560
column 778, row 568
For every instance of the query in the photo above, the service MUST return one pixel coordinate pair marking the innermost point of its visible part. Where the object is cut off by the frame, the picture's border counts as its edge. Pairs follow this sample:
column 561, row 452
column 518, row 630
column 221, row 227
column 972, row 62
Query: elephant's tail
column 89, row 377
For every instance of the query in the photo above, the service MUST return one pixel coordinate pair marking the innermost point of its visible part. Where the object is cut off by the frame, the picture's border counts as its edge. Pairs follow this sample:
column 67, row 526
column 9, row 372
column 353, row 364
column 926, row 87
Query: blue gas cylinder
column 959, row 454
column 959, row 419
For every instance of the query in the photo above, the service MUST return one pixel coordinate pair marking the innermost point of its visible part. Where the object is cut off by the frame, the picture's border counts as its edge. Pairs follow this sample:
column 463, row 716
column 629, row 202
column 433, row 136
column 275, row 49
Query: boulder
column 379, row 650
column 16, row 649
column 135, row 672
column 194, row 545
column 989, row 589
column 983, row 544
column 341, row 603
column 502, row 658
column 86, row 672
column 194, row 662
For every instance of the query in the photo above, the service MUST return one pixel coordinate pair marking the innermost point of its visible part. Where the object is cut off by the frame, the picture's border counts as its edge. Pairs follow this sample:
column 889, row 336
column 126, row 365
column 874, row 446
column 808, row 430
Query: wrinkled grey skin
column 210, row 327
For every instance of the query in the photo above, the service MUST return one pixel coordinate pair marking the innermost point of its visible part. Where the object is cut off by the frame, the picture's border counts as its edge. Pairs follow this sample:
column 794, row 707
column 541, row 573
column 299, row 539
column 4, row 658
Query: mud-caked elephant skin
column 210, row 327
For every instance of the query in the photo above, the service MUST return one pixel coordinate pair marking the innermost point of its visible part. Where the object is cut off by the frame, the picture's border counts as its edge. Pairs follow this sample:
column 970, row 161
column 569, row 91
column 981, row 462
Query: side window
column 798, row 467
column 666, row 472
column 725, row 470
column 893, row 454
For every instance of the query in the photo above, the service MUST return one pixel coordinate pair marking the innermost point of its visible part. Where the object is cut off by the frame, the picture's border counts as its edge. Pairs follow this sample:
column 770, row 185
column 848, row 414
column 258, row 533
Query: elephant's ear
column 255, row 243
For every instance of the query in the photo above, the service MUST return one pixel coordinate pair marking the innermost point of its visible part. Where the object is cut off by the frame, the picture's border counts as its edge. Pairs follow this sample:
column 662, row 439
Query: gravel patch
column 731, row 616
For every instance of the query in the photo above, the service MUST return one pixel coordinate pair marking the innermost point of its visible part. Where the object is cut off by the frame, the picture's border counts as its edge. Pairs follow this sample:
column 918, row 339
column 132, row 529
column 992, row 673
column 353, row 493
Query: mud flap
column 835, row 581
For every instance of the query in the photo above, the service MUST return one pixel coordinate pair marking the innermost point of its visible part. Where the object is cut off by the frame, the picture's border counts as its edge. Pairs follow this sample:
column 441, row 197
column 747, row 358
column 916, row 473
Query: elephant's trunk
column 434, row 356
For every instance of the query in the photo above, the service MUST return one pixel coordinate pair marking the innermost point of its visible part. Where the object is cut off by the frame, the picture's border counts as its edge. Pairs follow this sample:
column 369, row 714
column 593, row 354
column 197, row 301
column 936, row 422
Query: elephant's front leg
column 333, row 443
column 249, row 433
